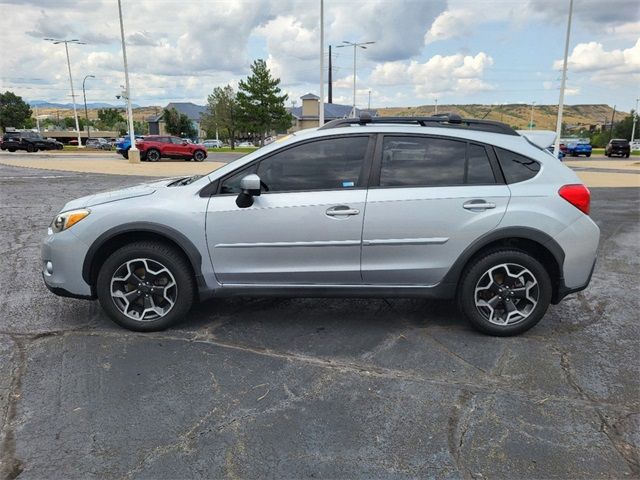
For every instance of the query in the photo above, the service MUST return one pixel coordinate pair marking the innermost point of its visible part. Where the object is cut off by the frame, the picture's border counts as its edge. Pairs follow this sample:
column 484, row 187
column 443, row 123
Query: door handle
column 478, row 205
column 342, row 211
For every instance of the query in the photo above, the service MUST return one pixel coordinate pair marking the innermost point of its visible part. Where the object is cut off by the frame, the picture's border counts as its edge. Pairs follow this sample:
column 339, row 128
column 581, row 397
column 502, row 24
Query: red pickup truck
column 154, row 147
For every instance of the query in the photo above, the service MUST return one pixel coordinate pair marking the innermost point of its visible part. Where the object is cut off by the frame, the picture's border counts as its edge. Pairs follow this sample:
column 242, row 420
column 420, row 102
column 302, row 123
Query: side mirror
column 250, row 186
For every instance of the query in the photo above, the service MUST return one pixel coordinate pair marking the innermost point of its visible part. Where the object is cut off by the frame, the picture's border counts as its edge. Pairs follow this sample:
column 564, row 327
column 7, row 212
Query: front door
column 305, row 227
column 435, row 196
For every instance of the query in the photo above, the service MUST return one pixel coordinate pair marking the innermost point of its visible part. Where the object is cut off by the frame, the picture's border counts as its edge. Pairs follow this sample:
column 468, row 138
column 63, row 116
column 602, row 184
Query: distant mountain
column 67, row 106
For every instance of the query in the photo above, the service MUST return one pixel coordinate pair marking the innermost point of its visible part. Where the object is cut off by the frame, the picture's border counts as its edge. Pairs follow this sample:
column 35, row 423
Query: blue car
column 581, row 147
column 123, row 146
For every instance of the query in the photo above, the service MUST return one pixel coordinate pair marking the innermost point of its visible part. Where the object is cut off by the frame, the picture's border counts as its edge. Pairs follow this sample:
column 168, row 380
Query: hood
column 116, row 195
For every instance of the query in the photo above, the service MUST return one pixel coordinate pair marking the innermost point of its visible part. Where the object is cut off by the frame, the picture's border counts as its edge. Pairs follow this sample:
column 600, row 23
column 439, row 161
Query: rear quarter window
column 515, row 167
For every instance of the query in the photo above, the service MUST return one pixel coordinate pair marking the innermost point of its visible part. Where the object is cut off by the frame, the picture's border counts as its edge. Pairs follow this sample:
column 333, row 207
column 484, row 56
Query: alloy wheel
column 506, row 294
column 143, row 289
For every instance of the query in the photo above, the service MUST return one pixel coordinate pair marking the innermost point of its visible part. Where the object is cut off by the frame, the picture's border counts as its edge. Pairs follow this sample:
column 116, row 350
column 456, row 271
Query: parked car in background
column 124, row 144
column 98, row 143
column 28, row 141
column 579, row 147
column 618, row 146
column 635, row 145
column 449, row 214
column 245, row 144
column 212, row 143
column 155, row 147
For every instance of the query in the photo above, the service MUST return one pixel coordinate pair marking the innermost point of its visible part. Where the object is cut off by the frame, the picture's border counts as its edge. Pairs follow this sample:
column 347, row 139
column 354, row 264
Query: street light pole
column 73, row 95
column 531, row 121
column 86, row 114
column 635, row 119
column 321, row 106
column 134, row 154
column 355, row 47
column 556, row 148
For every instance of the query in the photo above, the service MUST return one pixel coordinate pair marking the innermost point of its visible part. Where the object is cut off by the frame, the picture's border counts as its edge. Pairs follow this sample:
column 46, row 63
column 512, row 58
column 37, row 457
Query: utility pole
column 355, row 48
column 436, row 111
column 74, row 41
column 556, row 148
column 86, row 114
column 369, row 102
column 635, row 119
column 134, row 154
column 613, row 117
column 321, row 106
column 38, row 120
column 330, row 99
column 531, row 121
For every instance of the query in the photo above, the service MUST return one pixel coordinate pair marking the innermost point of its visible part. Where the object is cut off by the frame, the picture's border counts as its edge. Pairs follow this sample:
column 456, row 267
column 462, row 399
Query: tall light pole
column 321, row 106
column 556, row 147
column 84, row 95
column 74, row 41
column 635, row 119
column 436, row 111
column 355, row 48
column 134, row 154
column 531, row 120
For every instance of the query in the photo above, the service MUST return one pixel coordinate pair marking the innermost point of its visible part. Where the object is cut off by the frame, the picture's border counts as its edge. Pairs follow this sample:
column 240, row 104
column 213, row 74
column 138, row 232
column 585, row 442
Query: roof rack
column 445, row 120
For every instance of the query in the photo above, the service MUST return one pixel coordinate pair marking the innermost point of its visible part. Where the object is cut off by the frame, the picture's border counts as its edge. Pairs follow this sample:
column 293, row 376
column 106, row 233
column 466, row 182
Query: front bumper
column 62, row 258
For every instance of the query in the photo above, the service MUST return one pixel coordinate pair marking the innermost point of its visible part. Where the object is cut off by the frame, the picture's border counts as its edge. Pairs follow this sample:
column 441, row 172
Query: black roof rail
column 445, row 120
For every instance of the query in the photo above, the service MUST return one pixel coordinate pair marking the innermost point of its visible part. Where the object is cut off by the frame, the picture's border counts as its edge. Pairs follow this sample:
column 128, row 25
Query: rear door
column 430, row 198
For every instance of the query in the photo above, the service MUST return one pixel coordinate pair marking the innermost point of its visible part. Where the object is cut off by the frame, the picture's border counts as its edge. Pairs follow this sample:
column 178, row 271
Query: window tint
column 416, row 161
column 176, row 140
column 479, row 170
column 516, row 168
column 232, row 183
column 328, row 164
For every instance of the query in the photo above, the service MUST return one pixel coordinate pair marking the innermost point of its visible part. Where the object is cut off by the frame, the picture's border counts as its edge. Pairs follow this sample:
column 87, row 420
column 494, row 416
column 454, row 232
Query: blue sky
column 455, row 51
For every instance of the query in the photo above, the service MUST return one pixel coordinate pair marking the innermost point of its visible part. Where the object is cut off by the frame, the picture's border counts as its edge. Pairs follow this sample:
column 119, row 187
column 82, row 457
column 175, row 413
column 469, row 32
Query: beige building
column 308, row 115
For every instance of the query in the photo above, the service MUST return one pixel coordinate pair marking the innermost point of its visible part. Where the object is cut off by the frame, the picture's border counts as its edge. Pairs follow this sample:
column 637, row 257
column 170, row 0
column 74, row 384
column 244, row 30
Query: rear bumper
column 562, row 290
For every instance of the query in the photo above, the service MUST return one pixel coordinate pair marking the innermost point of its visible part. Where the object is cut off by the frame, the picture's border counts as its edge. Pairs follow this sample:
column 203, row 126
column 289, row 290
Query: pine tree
column 261, row 102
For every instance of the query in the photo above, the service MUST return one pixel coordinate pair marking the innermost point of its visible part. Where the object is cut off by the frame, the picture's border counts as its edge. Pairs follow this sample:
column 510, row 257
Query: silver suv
column 371, row 207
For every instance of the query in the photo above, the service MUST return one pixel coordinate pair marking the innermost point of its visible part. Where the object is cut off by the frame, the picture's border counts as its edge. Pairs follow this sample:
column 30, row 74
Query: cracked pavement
column 324, row 388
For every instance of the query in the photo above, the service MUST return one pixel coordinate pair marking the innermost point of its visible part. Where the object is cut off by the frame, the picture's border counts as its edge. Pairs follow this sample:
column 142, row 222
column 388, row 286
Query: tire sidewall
column 466, row 291
column 151, row 154
column 197, row 154
column 168, row 257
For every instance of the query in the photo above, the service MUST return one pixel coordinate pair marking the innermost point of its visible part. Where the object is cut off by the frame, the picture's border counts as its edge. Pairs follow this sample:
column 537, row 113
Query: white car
column 212, row 143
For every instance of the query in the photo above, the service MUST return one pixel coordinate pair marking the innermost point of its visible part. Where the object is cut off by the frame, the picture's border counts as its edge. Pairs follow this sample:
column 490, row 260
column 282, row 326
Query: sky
column 455, row 51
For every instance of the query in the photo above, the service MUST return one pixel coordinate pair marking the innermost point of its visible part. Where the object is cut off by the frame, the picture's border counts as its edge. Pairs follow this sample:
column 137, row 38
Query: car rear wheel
column 588, row 155
column 505, row 292
column 146, row 286
column 198, row 156
column 153, row 155
column 31, row 148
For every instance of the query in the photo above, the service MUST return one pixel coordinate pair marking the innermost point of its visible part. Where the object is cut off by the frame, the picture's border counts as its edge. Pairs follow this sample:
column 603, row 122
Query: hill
column 518, row 115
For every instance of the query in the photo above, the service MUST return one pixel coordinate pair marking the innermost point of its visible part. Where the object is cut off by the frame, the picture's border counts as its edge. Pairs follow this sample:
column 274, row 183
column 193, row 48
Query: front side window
column 328, row 164
column 516, row 168
column 433, row 162
column 176, row 141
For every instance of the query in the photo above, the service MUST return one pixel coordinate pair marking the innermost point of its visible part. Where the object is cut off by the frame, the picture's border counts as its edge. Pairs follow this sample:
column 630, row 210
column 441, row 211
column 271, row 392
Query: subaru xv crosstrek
column 372, row 207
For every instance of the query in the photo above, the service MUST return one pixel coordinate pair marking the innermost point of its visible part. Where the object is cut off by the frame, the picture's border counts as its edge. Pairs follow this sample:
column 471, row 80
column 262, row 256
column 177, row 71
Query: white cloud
column 439, row 74
column 591, row 57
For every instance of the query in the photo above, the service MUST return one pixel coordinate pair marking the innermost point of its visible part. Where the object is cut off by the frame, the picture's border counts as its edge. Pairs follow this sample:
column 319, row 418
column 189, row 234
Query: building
column 307, row 116
column 191, row 110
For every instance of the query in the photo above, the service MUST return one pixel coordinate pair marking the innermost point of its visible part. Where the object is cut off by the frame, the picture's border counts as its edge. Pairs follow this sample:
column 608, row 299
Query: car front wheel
column 505, row 292
column 146, row 286
column 153, row 155
column 198, row 156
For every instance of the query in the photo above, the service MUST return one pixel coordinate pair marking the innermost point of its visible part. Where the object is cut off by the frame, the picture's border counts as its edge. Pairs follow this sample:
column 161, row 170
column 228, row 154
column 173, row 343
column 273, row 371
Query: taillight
column 577, row 195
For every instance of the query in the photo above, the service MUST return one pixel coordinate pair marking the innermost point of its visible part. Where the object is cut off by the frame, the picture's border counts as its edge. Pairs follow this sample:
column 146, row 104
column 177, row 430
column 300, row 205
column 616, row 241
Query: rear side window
column 433, row 162
column 516, row 168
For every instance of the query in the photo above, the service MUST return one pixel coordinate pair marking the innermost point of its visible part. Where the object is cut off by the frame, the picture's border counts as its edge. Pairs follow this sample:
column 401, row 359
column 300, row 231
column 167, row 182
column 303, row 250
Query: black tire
column 608, row 155
column 125, row 154
column 627, row 155
column 588, row 155
column 30, row 148
column 153, row 155
column 199, row 155
column 12, row 150
column 168, row 257
column 477, row 270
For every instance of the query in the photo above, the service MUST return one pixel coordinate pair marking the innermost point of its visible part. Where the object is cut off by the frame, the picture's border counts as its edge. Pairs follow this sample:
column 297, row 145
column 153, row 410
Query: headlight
column 68, row 219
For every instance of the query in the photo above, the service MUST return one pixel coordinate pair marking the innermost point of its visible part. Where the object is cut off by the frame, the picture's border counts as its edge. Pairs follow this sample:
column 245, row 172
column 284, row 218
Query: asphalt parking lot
column 323, row 388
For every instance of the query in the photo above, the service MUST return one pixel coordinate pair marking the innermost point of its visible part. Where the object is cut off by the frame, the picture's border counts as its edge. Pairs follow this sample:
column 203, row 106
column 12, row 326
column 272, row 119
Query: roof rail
column 445, row 120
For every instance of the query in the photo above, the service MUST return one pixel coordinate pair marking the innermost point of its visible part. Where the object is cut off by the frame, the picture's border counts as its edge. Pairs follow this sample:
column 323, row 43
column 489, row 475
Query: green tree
column 14, row 112
column 261, row 102
column 69, row 122
column 108, row 118
column 622, row 129
column 222, row 113
column 177, row 123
